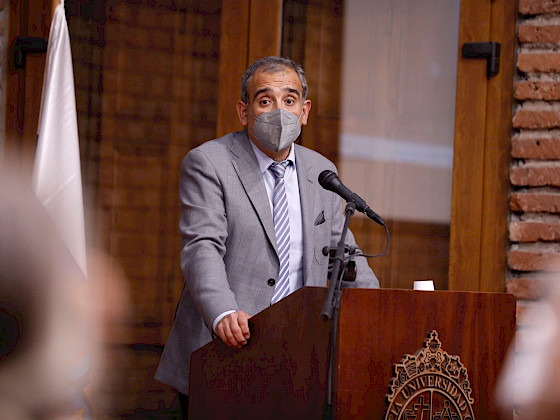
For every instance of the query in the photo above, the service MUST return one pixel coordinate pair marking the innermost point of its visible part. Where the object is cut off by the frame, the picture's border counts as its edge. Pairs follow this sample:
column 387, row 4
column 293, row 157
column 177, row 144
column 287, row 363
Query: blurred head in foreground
column 527, row 383
column 52, row 320
column 42, row 315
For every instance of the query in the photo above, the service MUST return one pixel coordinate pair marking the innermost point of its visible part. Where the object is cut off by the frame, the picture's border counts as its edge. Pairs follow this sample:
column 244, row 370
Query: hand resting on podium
column 233, row 329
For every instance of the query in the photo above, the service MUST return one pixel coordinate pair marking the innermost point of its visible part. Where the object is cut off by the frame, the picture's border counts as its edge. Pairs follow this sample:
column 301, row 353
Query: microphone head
column 326, row 179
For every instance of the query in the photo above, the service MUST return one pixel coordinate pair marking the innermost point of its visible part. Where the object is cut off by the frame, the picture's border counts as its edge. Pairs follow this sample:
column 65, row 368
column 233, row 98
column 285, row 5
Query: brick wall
column 87, row 41
column 534, row 228
column 146, row 92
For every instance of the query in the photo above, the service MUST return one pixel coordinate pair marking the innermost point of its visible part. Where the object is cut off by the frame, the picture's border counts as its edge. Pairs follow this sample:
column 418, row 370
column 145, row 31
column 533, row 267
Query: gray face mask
column 275, row 130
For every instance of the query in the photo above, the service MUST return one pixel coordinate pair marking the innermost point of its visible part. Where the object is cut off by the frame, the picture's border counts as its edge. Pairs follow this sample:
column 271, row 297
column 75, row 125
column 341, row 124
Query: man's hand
column 233, row 329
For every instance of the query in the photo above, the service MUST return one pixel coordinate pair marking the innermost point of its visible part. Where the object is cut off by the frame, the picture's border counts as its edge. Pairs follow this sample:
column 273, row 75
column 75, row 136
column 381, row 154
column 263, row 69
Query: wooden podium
column 432, row 353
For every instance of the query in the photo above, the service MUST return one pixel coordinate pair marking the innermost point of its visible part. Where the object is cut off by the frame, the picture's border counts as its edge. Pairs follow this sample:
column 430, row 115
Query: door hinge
column 488, row 50
column 27, row 45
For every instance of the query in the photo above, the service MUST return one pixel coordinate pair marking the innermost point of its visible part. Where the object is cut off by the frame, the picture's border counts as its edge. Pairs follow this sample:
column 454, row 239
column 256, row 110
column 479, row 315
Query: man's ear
column 242, row 112
column 306, row 110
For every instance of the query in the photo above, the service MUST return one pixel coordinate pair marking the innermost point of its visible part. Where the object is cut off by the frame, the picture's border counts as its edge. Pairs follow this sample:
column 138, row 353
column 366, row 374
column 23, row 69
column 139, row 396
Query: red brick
column 526, row 287
column 128, row 198
column 159, row 86
column 161, row 19
column 136, row 220
column 132, row 130
column 151, row 61
column 537, row 115
column 536, row 174
column 121, row 12
column 155, row 38
column 142, row 177
column 538, row 61
column 161, row 40
column 536, row 145
column 535, row 228
column 534, row 257
column 111, row 56
column 139, row 174
column 538, row 32
column 141, row 267
column 535, row 200
column 136, row 179
column 131, row 245
column 537, row 90
column 154, row 108
column 535, row 7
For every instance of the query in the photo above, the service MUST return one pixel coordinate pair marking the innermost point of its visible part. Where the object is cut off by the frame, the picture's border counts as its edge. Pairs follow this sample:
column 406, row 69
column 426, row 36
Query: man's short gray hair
column 272, row 64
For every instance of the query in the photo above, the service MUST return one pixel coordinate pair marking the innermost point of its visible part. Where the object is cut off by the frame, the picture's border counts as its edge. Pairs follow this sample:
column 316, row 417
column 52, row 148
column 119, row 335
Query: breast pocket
column 322, row 237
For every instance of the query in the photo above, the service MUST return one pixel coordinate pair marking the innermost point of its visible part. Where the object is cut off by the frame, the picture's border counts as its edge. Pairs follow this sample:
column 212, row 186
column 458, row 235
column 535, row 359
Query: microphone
column 330, row 181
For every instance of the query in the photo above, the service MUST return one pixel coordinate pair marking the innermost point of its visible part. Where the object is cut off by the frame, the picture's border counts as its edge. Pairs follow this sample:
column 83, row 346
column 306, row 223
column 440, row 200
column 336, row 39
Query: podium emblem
column 431, row 385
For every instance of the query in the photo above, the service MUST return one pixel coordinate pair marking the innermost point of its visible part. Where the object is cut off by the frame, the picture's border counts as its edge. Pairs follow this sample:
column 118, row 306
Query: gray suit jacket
column 229, row 245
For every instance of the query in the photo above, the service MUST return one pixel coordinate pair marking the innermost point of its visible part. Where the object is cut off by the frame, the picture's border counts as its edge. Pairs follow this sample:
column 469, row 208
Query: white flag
column 57, row 178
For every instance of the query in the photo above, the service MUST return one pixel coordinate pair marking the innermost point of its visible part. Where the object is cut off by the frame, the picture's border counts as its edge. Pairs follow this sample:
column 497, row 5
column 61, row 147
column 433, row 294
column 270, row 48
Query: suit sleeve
column 203, row 227
column 365, row 278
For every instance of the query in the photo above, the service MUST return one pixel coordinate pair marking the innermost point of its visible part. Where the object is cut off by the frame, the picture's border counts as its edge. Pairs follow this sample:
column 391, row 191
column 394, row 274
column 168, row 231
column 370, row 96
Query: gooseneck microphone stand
column 331, row 307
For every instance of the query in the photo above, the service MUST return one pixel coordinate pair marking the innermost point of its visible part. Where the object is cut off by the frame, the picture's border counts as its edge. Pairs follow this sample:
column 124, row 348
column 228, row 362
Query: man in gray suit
column 231, row 215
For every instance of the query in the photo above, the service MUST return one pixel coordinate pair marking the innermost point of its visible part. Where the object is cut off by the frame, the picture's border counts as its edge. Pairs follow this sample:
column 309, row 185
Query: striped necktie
column 282, row 230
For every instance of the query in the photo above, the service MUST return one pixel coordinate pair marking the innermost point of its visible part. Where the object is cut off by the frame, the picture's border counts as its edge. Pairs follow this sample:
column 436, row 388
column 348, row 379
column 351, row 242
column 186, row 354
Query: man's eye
column 265, row 102
column 290, row 101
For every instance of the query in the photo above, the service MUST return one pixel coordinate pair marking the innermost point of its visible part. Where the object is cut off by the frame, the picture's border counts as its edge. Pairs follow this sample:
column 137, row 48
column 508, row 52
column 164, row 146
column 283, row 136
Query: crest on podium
column 430, row 385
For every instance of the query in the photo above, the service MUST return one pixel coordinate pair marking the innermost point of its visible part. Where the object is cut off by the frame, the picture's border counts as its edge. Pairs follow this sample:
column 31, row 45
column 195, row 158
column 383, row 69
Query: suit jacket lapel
column 250, row 175
column 307, row 197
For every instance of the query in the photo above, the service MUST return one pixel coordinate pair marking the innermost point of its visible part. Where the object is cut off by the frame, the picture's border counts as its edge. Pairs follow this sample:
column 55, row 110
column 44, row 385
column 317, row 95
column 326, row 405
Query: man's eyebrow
column 262, row 90
column 267, row 89
column 292, row 90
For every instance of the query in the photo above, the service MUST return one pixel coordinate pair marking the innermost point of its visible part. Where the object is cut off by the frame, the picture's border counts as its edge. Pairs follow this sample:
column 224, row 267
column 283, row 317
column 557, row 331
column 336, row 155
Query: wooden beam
column 469, row 149
column 234, row 46
column 265, row 29
column 498, row 152
column 249, row 30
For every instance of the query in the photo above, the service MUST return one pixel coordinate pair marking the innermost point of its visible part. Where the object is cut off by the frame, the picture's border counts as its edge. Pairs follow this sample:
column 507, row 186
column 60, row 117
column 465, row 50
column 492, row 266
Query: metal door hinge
column 27, row 45
column 488, row 50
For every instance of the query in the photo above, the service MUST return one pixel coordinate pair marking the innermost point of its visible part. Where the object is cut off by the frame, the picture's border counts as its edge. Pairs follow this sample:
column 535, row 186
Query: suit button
column 271, row 282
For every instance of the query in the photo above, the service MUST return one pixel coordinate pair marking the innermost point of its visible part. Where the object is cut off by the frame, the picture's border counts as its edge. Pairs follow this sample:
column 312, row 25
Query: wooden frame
column 477, row 257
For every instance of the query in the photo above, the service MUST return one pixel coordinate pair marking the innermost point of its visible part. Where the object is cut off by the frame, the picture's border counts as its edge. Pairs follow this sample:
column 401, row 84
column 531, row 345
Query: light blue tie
column 282, row 229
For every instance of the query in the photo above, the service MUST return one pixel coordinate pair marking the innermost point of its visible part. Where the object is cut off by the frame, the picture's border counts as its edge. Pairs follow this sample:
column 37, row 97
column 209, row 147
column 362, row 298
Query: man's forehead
column 287, row 79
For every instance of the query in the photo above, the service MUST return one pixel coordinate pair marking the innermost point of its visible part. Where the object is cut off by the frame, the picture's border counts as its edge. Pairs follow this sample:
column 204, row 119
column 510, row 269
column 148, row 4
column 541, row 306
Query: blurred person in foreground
column 50, row 318
column 527, row 384
column 239, row 196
